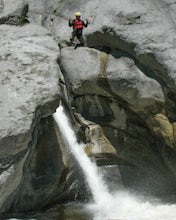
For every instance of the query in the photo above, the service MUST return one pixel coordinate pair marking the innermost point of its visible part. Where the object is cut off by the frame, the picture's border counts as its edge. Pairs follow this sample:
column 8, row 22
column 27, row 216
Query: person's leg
column 73, row 36
column 81, row 40
column 80, row 37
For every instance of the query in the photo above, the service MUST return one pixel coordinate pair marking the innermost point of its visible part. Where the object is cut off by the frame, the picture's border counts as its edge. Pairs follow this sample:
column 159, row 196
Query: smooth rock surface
column 29, row 90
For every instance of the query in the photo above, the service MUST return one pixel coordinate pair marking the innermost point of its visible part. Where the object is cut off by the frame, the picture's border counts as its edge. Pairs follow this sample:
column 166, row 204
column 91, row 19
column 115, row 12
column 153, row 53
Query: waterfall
column 119, row 206
column 98, row 188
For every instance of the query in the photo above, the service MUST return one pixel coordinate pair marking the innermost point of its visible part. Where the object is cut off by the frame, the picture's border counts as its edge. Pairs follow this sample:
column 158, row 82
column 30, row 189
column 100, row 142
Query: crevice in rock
column 118, row 53
column 108, row 42
column 8, row 161
column 66, row 83
column 18, row 18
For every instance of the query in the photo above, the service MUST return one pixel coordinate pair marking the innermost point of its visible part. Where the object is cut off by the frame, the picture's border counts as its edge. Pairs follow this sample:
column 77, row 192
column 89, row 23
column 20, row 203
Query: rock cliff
column 121, row 86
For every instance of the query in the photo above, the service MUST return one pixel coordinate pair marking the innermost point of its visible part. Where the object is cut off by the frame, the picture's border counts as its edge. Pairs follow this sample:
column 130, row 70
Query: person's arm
column 70, row 22
column 86, row 23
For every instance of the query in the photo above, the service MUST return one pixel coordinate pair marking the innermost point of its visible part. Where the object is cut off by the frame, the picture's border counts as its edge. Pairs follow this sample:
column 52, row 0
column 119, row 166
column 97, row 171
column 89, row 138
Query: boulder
column 92, row 72
column 29, row 91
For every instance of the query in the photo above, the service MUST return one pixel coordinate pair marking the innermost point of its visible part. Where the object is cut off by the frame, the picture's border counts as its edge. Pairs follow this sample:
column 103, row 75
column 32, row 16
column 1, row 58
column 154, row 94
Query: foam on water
column 20, row 219
column 124, row 206
column 119, row 206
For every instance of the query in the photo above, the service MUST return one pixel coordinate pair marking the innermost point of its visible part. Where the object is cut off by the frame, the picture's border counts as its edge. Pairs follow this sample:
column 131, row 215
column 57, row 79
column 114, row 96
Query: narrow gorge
column 118, row 92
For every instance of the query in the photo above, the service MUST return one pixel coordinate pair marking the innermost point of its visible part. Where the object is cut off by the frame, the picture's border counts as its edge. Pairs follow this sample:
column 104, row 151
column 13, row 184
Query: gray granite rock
column 126, row 83
column 29, row 78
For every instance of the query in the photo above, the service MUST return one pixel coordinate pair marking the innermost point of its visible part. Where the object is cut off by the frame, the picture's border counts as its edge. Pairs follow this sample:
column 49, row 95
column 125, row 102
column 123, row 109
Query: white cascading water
column 95, row 182
column 119, row 206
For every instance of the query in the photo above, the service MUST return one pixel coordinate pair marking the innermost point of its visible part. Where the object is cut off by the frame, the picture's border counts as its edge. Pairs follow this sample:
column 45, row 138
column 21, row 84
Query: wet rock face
column 118, row 95
column 42, row 181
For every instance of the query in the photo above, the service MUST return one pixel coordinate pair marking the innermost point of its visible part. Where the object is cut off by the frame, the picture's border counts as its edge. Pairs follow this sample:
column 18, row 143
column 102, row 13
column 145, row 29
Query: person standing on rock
column 78, row 26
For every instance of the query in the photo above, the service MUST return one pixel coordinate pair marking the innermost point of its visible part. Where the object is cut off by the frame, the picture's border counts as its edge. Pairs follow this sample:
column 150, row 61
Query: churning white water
column 119, row 206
